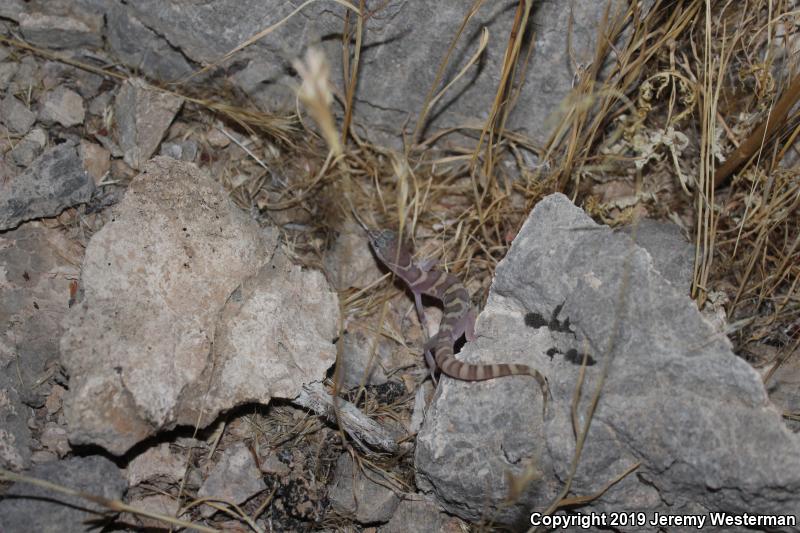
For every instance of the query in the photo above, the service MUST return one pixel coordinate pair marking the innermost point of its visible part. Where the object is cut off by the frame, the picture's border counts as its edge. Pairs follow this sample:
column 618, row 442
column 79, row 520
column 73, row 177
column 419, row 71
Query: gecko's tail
column 454, row 368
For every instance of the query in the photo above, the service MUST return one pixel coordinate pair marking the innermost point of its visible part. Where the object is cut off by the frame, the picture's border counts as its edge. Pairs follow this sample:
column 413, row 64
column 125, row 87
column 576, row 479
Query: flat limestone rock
column 16, row 117
column 160, row 280
column 133, row 43
column 676, row 399
column 673, row 256
column 63, row 106
column 274, row 334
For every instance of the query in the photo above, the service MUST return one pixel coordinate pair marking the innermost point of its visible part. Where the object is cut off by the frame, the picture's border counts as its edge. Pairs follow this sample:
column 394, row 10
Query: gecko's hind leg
column 465, row 326
column 546, row 394
column 421, row 313
column 431, row 365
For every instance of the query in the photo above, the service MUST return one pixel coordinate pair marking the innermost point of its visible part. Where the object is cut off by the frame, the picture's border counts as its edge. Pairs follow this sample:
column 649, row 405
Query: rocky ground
column 183, row 341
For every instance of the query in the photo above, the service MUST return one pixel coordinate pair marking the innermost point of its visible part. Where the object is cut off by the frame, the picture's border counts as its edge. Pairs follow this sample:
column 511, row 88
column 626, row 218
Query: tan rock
column 96, row 160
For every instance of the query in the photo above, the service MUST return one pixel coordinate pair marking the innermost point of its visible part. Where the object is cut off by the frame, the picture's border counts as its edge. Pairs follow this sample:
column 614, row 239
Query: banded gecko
column 459, row 315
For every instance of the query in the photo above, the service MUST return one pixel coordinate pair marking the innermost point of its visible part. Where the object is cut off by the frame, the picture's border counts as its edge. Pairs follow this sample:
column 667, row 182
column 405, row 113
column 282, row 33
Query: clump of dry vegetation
column 689, row 117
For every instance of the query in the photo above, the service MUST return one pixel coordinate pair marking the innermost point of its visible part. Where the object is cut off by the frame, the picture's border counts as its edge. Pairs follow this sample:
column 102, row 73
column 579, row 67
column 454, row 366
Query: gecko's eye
column 382, row 239
column 387, row 237
column 383, row 242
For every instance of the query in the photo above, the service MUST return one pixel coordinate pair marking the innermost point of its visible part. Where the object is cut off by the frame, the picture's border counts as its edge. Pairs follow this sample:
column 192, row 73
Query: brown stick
column 761, row 134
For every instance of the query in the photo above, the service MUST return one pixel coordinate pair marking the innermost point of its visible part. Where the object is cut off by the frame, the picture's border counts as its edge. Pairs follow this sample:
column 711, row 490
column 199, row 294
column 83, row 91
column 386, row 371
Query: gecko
column 458, row 318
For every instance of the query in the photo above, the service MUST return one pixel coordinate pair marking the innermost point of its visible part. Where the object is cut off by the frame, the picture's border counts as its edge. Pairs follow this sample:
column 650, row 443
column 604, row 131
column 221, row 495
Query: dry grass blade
column 756, row 140
column 279, row 127
column 350, row 73
column 583, row 500
column 62, row 59
column 704, row 194
column 782, row 359
column 484, row 40
column 501, row 104
column 276, row 126
column 225, row 506
column 316, row 96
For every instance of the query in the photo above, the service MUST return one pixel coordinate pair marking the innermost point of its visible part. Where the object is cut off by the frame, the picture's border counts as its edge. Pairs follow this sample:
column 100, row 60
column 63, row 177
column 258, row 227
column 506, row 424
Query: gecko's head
column 388, row 247
column 383, row 241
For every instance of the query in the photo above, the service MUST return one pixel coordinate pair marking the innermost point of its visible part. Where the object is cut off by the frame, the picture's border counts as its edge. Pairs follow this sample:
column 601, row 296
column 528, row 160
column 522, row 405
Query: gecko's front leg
column 420, row 313
column 424, row 265
column 429, row 343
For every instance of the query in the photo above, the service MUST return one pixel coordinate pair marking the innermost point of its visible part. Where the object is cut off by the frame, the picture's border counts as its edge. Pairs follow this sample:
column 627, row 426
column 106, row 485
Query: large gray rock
column 402, row 37
column 133, row 43
column 27, row 508
column 55, row 181
column 676, row 399
column 188, row 311
column 12, row 9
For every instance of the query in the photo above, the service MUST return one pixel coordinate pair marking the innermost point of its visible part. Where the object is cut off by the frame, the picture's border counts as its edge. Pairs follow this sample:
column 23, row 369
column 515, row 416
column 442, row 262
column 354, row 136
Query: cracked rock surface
column 179, row 270
column 676, row 400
